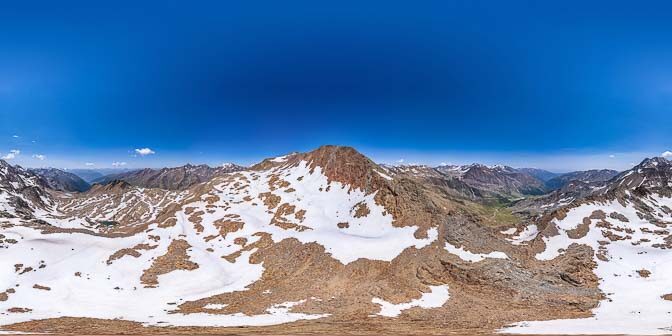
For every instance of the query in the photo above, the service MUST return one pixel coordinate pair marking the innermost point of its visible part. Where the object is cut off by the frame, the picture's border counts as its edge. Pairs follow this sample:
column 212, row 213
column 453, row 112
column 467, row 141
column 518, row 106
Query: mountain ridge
column 175, row 178
column 61, row 180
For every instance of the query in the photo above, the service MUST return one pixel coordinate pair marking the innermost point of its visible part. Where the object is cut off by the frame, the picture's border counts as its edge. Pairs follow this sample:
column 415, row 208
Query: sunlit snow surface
column 114, row 291
column 437, row 296
column 634, row 304
column 529, row 233
column 474, row 257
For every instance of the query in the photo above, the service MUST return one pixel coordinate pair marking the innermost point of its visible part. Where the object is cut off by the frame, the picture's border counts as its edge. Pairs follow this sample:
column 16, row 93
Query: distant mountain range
column 89, row 175
column 474, row 180
column 61, row 180
column 178, row 178
column 543, row 175
column 587, row 176
column 501, row 182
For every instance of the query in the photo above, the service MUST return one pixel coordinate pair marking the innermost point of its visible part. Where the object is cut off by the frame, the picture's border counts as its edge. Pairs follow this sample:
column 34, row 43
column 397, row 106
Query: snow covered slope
column 21, row 192
column 628, row 228
column 93, row 253
column 330, row 236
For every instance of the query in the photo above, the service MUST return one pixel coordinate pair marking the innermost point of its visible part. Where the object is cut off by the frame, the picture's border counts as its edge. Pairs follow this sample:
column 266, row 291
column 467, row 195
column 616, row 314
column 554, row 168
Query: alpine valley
column 329, row 241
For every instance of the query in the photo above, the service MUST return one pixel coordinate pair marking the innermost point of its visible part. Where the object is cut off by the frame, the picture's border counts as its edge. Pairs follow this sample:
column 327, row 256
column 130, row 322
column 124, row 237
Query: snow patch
column 473, row 257
column 634, row 303
column 436, row 298
column 529, row 233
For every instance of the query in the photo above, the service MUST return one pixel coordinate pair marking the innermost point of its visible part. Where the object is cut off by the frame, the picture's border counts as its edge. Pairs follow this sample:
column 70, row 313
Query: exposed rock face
column 587, row 176
column 498, row 184
column 654, row 174
column 57, row 179
column 626, row 221
column 504, row 181
column 570, row 192
column 178, row 178
column 651, row 175
column 328, row 237
column 21, row 192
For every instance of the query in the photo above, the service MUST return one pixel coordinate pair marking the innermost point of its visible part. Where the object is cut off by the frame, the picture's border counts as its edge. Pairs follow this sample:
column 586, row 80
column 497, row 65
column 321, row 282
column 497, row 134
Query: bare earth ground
column 85, row 326
column 81, row 326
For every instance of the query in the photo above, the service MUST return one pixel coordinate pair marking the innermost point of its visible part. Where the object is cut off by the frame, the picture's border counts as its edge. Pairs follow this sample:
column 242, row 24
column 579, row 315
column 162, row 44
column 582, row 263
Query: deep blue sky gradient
column 83, row 81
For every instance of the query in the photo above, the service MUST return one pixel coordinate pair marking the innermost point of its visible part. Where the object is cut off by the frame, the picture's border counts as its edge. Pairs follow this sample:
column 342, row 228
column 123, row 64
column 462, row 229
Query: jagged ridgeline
column 329, row 241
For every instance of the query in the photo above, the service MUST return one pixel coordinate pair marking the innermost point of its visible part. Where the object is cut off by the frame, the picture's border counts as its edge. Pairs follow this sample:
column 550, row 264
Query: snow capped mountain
column 651, row 174
column 61, row 180
column 587, row 176
column 22, row 193
column 128, row 243
column 627, row 224
column 333, row 239
column 505, row 181
column 477, row 181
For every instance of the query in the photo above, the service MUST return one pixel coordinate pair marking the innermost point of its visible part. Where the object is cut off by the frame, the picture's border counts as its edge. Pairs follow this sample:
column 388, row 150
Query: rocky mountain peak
column 230, row 168
column 650, row 175
column 346, row 165
column 654, row 163
column 57, row 179
column 504, row 168
column 24, row 191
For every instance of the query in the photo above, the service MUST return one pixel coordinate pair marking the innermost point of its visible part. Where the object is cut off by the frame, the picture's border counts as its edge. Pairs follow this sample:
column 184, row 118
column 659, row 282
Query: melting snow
column 634, row 303
column 529, row 233
column 280, row 158
column 383, row 175
column 83, row 284
column 474, row 257
column 436, row 298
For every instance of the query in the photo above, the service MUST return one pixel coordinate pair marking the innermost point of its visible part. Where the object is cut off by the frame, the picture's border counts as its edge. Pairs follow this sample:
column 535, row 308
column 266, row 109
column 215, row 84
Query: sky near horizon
column 556, row 85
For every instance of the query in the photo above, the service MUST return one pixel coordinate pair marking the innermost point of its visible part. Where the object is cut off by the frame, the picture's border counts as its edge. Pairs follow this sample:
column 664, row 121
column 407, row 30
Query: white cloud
column 15, row 136
column 89, row 164
column 612, row 156
column 39, row 157
column 118, row 164
column 400, row 161
column 144, row 151
column 12, row 154
column 666, row 154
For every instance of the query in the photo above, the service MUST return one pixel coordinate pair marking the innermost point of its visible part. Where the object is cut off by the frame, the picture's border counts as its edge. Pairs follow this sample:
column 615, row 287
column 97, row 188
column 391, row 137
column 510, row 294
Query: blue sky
column 558, row 85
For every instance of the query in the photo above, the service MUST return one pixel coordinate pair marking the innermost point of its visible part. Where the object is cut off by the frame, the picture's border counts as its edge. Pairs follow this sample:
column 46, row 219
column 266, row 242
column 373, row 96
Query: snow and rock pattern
column 159, row 249
column 474, row 257
column 333, row 237
column 176, row 178
column 437, row 297
column 633, row 263
column 57, row 179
